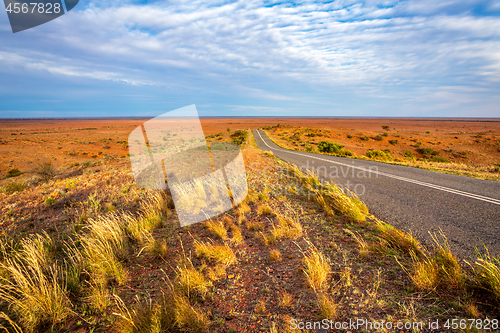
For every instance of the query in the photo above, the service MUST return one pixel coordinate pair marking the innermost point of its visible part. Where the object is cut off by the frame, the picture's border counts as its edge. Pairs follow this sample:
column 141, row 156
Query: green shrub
column 13, row 173
column 239, row 136
column 13, row 187
column 409, row 154
column 385, row 134
column 378, row 155
column 386, row 127
column 333, row 148
column 349, row 136
column 428, row 152
column 50, row 201
column 393, row 142
column 378, row 138
column 364, row 138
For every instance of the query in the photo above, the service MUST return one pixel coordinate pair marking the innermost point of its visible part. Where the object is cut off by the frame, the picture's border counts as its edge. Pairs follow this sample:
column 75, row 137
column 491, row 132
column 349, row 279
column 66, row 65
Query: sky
column 377, row 58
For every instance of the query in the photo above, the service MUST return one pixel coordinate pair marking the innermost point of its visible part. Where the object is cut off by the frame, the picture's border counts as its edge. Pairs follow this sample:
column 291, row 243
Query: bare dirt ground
column 472, row 143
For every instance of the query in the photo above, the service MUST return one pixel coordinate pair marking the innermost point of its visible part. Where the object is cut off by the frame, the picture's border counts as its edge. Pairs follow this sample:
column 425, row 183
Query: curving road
column 416, row 200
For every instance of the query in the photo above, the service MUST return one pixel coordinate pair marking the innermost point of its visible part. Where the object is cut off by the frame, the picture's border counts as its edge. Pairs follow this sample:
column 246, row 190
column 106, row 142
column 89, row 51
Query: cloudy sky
column 413, row 58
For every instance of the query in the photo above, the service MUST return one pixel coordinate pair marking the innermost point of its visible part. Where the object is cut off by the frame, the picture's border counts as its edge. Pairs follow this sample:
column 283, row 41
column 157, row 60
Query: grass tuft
column 190, row 282
column 275, row 255
column 104, row 246
column 398, row 239
column 217, row 228
column 187, row 318
column 221, row 254
column 487, row 273
column 316, row 269
column 34, row 285
column 264, row 210
column 327, row 307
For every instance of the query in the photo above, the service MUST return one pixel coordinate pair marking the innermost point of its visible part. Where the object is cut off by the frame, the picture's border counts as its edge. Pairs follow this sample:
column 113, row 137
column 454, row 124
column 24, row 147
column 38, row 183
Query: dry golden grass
column 153, row 210
column 255, row 226
column 35, row 287
column 286, row 300
column 188, row 318
column 364, row 247
column 327, row 307
column 99, row 296
column 275, row 255
column 264, row 210
column 316, row 269
column 267, row 238
column 398, row 239
column 217, row 228
column 243, row 209
column 251, row 197
column 471, row 310
column 441, row 270
column 261, row 307
column 425, row 275
column 104, row 245
column 287, row 227
column 157, row 247
column 241, row 219
column 147, row 317
column 214, row 273
column 214, row 253
column 330, row 196
column 450, row 271
column 190, row 281
column 346, row 276
column 487, row 273
column 237, row 237
column 320, row 200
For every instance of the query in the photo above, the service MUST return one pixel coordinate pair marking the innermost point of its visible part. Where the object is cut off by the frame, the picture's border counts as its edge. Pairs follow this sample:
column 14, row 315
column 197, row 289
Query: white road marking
column 409, row 180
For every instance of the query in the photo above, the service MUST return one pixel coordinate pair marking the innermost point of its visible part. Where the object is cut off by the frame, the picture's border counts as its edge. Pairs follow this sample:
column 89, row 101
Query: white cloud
column 371, row 47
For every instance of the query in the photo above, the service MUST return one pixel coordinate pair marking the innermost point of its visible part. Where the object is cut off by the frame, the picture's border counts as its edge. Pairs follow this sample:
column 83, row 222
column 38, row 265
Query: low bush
column 333, row 148
column 393, row 142
column 378, row 155
column 46, row 171
column 50, row 201
column 239, row 137
column 428, row 152
column 13, row 187
column 378, row 138
column 13, row 173
column 409, row 154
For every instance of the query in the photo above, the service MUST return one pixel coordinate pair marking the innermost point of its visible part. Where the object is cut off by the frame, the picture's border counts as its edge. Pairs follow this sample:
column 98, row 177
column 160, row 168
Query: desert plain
column 84, row 249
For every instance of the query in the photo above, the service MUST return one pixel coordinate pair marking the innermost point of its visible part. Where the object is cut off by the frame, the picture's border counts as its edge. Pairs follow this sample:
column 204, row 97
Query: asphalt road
column 466, row 209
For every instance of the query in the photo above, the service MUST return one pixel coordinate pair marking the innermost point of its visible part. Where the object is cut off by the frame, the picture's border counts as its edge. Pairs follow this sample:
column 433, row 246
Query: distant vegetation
column 239, row 136
column 13, row 173
column 428, row 152
column 333, row 148
column 379, row 155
